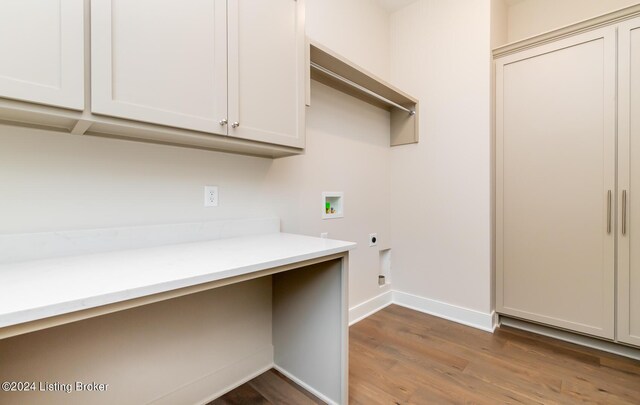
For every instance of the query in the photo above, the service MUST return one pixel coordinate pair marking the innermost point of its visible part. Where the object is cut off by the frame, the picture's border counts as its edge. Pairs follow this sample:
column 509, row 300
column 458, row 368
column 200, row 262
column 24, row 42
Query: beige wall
column 144, row 353
column 532, row 17
column 356, row 29
column 347, row 150
column 347, row 146
column 440, row 187
column 499, row 11
column 52, row 181
column 499, row 26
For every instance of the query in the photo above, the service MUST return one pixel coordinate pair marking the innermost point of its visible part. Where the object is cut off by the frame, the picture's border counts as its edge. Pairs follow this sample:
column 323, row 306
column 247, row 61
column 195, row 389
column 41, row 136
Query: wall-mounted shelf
column 333, row 70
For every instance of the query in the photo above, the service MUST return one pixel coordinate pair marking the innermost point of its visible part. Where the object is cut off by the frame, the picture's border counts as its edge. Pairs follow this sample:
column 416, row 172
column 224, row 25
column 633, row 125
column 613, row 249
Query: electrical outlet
column 373, row 239
column 211, row 196
column 324, row 235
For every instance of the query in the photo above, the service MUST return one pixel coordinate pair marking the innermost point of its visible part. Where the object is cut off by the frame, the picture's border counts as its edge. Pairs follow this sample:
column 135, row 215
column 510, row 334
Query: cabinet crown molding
column 613, row 17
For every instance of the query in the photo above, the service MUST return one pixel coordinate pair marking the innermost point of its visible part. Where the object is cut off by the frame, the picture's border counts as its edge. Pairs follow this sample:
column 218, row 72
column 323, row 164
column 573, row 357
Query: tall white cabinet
column 567, row 164
column 231, row 68
column 42, row 51
column 556, row 178
column 628, row 327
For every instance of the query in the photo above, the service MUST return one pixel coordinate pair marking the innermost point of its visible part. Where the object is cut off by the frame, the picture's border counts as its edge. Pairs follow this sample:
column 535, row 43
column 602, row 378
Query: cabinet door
column 266, row 71
column 162, row 62
column 629, row 182
column 555, row 183
column 42, row 48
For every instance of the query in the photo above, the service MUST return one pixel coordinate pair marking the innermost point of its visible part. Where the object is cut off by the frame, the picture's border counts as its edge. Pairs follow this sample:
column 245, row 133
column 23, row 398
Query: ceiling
column 394, row 5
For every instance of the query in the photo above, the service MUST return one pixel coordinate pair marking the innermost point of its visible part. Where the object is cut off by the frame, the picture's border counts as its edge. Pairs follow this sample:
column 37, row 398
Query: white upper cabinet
column 170, row 63
column 162, row 62
column 172, row 72
column 42, row 51
column 267, row 71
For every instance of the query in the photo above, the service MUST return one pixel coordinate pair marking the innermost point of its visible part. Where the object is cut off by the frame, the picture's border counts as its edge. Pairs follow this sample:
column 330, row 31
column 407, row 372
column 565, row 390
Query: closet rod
column 361, row 88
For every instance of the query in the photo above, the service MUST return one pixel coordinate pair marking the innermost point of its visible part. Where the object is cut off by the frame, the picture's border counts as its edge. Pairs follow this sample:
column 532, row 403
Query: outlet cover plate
column 373, row 239
column 211, row 196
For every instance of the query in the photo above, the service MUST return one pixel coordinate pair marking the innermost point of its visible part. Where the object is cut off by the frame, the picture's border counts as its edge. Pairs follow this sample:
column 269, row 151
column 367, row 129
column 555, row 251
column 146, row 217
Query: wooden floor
column 268, row 388
column 400, row 356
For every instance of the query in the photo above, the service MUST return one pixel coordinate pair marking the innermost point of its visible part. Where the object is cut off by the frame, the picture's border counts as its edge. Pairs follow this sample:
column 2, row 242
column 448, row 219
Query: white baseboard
column 305, row 385
column 465, row 316
column 220, row 381
column 369, row 307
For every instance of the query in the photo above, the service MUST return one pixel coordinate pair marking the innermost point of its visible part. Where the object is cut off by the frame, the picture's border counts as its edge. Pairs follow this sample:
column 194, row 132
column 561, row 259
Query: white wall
column 174, row 351
column 347, row 146
column 499, row 12
column 532, row 17
column 347, row 150
column 499, row 23
column 440, row 187
column 53, row 181
column 356, row 29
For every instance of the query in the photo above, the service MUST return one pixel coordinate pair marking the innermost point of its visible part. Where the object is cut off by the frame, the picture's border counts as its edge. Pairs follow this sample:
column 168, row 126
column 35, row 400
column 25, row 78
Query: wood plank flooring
column 266, row 389
column 400, row 356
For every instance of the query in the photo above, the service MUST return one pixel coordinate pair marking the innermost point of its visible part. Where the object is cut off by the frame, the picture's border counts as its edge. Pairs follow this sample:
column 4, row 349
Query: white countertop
column 40, row 289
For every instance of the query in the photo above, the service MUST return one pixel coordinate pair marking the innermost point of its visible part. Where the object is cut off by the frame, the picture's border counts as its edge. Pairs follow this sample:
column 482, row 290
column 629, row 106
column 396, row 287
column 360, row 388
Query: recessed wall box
column 332, row 204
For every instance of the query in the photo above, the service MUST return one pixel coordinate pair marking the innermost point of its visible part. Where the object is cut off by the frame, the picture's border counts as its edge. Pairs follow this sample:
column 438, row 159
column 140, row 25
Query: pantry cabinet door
column 267, row 71
column 629, row 182
column 162, row 62
column 555, row 183
column 42, row 52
